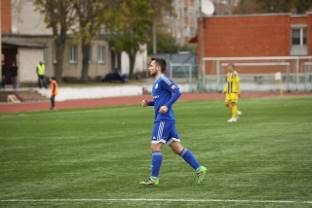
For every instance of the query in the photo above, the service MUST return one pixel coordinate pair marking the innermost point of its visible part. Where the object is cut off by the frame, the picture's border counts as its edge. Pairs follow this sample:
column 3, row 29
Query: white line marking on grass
column 251, row 201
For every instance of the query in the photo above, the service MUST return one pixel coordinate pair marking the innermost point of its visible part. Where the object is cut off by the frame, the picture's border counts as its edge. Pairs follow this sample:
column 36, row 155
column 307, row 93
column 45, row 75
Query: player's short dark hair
column 161, row 62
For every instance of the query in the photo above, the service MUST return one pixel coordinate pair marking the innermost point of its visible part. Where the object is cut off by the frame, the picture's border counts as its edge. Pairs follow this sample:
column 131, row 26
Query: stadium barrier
column 258, row 73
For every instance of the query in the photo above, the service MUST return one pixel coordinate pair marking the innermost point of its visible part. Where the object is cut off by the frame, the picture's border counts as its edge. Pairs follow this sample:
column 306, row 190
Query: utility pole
column 201, row 39
column 206, row 8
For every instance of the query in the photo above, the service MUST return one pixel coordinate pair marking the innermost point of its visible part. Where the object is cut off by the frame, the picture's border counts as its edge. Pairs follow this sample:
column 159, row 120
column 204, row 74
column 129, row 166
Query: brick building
column 260, row 46
column 258, row 35
column 6, row 16
column 262, row 35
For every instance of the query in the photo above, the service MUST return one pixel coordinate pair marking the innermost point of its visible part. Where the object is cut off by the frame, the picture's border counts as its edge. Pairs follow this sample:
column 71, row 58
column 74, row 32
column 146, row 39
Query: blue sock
column 156, row 163
column 188, row 156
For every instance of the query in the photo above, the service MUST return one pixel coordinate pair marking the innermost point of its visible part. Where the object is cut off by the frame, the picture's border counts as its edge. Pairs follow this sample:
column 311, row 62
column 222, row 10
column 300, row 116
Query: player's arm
column 237, row 81
column 238, row 84
column 175, row 93
column 145, row 103
column 225, row 88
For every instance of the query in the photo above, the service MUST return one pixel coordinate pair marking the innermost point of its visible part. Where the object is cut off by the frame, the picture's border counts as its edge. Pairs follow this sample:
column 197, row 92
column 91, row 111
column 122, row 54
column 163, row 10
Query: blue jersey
column 165, row 92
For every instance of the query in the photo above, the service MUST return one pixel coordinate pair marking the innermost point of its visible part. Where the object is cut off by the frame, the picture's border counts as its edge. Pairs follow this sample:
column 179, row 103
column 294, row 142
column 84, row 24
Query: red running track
column 119, row 101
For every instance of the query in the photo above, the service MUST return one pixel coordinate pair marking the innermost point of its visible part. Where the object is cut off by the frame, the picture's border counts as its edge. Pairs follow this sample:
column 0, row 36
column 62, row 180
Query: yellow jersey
column 232, row 83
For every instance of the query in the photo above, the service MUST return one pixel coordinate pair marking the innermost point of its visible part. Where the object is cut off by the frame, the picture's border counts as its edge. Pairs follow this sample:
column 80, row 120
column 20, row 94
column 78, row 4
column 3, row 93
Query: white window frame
column 301, row 28
column 101, row 54
column 301, row 48
column 73, row 54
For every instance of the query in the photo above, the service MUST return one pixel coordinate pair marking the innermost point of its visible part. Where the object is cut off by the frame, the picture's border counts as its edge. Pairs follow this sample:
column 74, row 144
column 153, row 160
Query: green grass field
column 96, row 157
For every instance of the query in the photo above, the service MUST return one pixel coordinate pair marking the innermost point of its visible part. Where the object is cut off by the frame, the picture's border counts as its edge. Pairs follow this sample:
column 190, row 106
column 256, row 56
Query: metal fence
column 259, row 73
column 184, row 74
column 256, row 73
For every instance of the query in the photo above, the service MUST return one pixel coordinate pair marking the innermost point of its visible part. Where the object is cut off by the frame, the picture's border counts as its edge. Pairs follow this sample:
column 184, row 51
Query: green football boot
column 200, row 174
column 151, row 181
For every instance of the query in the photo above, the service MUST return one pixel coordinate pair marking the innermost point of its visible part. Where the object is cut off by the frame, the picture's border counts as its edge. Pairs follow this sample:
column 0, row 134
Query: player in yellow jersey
column 232, row 90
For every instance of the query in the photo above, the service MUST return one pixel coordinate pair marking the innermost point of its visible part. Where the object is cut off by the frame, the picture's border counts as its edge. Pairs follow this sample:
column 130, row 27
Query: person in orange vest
column 54, row 92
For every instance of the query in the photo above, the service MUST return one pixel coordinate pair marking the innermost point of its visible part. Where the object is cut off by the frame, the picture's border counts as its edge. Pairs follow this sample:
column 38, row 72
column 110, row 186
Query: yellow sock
column 234, row 110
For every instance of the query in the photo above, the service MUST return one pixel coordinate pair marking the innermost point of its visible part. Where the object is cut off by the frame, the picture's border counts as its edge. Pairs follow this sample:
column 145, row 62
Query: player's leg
column 234, row 100
column 239, row 113
column 187, row 155
column 189, row 158
column 52, row 99
column 227, row 101
column 234, row 110
column 157, row 159
column 228, row 104
column 157, row 141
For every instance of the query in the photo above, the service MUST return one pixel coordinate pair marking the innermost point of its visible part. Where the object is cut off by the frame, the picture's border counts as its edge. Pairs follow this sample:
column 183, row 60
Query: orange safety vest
column 54, row 88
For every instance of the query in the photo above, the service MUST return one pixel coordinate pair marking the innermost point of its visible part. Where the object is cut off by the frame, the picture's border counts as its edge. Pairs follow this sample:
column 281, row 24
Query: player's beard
column 153, row 74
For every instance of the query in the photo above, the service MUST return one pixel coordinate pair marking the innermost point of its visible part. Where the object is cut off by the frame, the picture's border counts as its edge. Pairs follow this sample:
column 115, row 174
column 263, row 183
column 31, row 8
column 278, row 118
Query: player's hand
column 163, row 109
column 144, row 103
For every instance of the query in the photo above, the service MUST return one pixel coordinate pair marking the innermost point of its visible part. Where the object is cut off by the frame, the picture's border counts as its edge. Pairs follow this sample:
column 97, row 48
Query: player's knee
column 176, row 147
column 155, row 147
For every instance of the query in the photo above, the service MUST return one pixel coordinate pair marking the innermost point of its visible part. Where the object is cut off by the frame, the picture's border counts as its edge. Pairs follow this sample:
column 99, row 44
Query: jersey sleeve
column 237, row 81
column 173, row 89
column 238, row 84
column 225, row 88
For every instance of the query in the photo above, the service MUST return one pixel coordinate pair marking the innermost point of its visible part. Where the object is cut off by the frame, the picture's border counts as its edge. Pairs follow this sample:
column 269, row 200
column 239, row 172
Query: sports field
column 96, row 157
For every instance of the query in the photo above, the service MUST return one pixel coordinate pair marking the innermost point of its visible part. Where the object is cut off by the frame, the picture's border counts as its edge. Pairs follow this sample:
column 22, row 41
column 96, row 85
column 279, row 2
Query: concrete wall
column 73, row 70
column 27, row 61
column 26, row 20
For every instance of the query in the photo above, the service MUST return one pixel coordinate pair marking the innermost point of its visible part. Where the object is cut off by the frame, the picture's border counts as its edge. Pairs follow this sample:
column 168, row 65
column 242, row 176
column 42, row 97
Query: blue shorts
column 165, row 132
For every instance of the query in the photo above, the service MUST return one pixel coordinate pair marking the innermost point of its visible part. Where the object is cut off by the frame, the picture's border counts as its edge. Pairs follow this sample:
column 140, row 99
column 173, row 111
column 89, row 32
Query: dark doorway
column 9, row 53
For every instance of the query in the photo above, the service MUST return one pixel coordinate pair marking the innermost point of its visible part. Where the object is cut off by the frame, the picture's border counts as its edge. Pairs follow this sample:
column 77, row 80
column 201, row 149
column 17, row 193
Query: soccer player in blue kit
column 165, row 92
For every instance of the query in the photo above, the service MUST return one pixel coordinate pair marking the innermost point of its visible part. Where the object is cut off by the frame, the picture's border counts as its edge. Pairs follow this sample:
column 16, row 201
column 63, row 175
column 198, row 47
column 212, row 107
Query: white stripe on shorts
column 160, row 130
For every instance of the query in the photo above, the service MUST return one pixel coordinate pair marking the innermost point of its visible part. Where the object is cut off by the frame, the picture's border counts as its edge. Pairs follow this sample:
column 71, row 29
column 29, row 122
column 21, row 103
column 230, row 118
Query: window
column 73, row 53
column 299, row 40
column 101, row 54
column 304, row 36
column 299, row 36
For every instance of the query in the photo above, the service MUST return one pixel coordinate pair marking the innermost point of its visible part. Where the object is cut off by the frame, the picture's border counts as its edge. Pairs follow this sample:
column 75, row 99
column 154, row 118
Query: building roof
column 21, row 42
